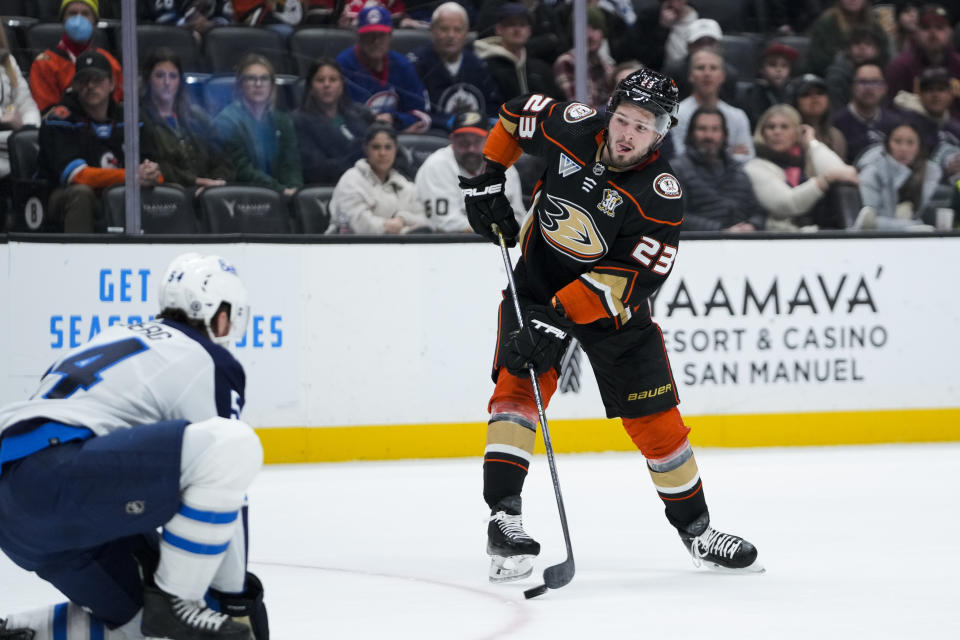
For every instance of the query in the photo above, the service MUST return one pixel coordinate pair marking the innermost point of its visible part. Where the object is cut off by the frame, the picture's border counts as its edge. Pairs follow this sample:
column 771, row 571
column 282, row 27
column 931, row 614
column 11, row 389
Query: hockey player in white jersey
column 437, row 179
column 135, row 431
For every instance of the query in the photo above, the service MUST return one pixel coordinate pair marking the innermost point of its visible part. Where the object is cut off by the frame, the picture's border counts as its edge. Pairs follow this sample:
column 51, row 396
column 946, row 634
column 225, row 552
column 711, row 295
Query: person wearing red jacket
column 81, row 148
column 52, row 71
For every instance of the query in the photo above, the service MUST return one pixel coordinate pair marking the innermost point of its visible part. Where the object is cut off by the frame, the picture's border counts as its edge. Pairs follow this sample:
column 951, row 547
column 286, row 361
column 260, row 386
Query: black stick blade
column 536, row 591
column 559, row 575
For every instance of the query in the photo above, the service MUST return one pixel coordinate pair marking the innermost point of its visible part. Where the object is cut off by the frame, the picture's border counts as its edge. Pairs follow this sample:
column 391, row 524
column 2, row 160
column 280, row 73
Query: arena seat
column 151, row 36
column 310, row 43
column 224, row 46
column 417, row 146
column 742, row 52
column 28, row 192
column 165, row 208
column 407, row 41
column 800, row 43
column 243, row 209
column 311, row 208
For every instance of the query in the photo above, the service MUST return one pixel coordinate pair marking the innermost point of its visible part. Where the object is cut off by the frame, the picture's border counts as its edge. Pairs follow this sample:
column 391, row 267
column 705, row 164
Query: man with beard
column 719, row 195
column 601, row 238
column 437, row 178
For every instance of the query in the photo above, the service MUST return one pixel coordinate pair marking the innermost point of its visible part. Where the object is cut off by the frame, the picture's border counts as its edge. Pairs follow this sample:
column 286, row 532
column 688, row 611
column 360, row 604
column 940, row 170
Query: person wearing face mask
column 437, row 183
column 52, row 71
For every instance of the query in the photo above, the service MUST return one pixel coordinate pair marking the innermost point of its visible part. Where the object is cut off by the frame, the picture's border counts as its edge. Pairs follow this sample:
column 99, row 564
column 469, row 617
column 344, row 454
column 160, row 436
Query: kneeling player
column 136, row 430
column 601, row 238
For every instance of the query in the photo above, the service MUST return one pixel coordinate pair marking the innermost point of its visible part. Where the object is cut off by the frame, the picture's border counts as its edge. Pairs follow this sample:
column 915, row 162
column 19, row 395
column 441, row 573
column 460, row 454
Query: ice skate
column 511, row 550
column 719, row 551
column 168, row 617
column 14, row 634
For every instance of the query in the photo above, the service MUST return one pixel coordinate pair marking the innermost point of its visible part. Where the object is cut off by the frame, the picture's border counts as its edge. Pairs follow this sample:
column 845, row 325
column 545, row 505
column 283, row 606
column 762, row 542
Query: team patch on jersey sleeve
column 667, row 186
column 577, row 111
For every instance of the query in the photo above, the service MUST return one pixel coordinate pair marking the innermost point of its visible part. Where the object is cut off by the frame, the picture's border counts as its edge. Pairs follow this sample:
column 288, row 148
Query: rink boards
column 374, row 351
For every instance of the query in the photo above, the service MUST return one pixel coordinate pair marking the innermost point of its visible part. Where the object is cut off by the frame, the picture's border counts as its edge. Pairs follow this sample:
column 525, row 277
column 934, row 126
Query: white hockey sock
column 67, row 621
column 219, row 461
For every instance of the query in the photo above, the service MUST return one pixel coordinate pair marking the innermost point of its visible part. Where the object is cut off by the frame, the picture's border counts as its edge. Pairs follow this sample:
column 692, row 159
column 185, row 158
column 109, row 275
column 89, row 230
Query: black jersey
column 600, row 239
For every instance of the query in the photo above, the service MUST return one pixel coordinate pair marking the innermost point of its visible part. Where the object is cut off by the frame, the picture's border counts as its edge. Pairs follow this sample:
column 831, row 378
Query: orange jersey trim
column 580, row 303
column 501, row 147
column 637, row 204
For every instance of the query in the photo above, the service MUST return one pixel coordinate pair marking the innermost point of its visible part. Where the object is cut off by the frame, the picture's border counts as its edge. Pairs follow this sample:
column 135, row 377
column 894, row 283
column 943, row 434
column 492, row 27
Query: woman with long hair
column 330, row 126
column 793, row 172
column 373, row 197
column 900, row 183
column 176, row 134
column 17, row 108
column 260, row 140
column 812, row 101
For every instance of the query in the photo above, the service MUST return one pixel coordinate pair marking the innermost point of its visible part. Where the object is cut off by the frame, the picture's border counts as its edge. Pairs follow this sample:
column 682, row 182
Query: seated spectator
column 351, row 10
column 52, row 71
column 81, row 148
column 437, row 183
column 811, row 100
column 773, row 76
column 704, row 34
column 718, row 193
column 865, row 121
column 782, row 17
column 514, row 72
column 17, row 108
column 829, row 32
column 906, row 14
column 373, row 197
column 599, row 65
column 382, row 80
column 175, row 134
column 547, row 39
column 455, row 78
column 330, row 126
column 930, row 114
column 793, row 172
column 660, row 35
column 255, row 13
column 618, row 17
column 861, row 45
column 199, row 16
column 259, row 140
column 706, row 77
column 931, row 47
column 900, row 183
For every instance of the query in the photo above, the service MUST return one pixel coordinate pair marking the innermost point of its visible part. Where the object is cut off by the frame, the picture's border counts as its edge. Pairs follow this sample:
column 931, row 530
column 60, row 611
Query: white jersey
column 136, row 374
column 439, row 188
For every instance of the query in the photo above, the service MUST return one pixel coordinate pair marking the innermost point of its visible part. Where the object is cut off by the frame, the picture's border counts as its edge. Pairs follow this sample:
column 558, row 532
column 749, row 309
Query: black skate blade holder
column 558, row 575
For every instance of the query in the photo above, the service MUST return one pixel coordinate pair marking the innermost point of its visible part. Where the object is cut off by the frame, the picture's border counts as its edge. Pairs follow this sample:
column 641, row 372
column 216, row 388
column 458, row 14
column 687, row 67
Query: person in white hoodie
column 372, row 197
column 17, row 108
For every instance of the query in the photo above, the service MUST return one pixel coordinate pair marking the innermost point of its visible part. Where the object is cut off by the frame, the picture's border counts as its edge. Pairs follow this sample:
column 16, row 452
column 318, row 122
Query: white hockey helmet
column 203, row 285
column 169, row 289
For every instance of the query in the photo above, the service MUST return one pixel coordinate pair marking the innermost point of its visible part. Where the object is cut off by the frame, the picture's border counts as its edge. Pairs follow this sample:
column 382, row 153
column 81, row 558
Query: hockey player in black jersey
column 602, row 237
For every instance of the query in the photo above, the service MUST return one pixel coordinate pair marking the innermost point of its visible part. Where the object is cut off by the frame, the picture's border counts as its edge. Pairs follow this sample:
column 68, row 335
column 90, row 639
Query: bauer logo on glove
column 487, row 205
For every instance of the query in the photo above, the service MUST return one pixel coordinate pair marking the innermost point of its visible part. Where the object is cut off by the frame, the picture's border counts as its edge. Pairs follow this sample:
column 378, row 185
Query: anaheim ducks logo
column 571, row 230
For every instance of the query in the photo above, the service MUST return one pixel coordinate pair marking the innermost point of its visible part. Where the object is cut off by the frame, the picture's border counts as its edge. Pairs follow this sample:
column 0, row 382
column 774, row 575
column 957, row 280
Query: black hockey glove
column 248, row 604
column 487, row 205
column 539, row 344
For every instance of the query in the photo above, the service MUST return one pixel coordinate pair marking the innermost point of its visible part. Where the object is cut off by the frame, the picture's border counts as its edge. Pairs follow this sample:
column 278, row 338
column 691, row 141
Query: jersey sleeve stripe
column 570, row 153
column 501, row 147
column 640, row 209
column 580, row 303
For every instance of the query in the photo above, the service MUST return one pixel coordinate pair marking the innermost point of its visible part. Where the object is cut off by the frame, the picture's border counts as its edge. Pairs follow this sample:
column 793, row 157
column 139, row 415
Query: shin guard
column 662, row 438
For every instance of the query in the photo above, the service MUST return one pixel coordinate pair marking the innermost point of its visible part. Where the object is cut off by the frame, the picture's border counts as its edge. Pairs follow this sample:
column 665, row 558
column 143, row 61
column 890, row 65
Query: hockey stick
column 561, row 574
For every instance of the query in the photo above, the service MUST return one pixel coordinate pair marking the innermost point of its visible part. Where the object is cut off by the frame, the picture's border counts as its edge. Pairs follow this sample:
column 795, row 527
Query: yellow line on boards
column 391, row 442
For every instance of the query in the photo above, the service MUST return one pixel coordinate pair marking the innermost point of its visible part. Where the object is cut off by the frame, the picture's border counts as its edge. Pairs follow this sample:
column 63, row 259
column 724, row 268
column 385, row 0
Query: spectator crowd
column 827, row 114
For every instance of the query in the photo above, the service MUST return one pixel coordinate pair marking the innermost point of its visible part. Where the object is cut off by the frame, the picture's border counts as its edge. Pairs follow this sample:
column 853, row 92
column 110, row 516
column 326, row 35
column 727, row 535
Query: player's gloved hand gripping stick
column 561, row 574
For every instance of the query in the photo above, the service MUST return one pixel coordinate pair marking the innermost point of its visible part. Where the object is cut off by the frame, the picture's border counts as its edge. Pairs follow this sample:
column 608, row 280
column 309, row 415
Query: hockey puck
column 536, row 591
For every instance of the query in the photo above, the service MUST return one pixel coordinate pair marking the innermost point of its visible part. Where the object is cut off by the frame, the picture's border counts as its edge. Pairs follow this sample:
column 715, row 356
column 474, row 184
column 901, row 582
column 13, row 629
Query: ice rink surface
column 858, row 542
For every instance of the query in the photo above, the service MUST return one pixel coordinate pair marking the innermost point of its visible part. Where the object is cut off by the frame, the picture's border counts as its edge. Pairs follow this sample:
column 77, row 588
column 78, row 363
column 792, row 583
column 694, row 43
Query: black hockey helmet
column 650, row 90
